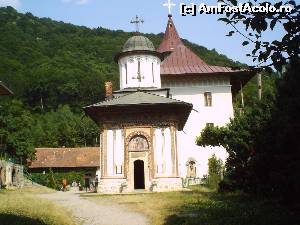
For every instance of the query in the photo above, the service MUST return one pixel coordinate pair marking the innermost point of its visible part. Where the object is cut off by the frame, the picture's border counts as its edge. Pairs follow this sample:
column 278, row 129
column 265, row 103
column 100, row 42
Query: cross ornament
column 169, row 4
column 137, row 21
column 139, row 77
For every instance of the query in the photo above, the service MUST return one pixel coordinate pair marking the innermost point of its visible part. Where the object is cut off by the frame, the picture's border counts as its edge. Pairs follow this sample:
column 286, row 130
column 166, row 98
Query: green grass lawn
column 22, row 207
column 204, row 207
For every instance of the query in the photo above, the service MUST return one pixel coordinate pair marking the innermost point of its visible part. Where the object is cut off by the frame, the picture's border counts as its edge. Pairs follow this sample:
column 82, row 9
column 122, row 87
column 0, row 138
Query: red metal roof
column 171, row 38
column 181, row 59
column 66, row 158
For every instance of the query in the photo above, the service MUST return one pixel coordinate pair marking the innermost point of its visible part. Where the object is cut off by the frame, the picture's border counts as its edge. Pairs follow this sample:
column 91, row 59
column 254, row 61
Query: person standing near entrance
column 64, row 183
column 87, row 183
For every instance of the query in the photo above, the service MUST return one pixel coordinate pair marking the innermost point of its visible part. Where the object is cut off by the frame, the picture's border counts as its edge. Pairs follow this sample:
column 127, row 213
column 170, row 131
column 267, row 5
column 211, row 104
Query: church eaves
column 139, row 98
column 139, row 103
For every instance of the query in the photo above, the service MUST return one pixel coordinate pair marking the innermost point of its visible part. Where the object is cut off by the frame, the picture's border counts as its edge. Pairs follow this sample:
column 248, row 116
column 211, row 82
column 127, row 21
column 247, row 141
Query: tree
column 16, row 124
column 64, row 128
column 54, row 63
column 278, row 151
column 215, row 169
column 263, row 142
column 280, row 52
column 264, row 152
column 238, row 138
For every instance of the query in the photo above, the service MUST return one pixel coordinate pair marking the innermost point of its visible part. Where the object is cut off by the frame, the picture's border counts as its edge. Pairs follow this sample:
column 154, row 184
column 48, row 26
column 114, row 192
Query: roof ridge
column 171, row 38
column 121, row 96
column 167, row 97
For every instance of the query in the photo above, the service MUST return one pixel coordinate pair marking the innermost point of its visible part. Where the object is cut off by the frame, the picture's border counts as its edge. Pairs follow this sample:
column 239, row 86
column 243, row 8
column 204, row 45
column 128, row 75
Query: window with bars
column 207, row 99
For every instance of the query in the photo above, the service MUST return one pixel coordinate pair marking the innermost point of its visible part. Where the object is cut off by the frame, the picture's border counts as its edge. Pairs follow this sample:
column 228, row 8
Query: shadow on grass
column 209, row 208
column 8, row 219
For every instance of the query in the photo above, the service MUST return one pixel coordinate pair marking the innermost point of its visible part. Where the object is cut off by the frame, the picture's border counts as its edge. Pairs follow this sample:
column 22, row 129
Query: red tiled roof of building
column 181, row 59
column 66, row 158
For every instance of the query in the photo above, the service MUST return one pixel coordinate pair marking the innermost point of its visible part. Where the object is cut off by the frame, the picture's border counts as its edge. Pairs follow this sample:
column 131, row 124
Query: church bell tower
column 139, row 63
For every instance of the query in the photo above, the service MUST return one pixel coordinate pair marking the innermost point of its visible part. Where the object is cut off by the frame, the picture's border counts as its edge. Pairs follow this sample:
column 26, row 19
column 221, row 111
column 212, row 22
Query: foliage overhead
column 279, row 52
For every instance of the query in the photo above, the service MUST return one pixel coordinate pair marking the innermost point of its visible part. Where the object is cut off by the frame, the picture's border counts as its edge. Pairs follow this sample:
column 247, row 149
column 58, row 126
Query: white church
column 149, row 126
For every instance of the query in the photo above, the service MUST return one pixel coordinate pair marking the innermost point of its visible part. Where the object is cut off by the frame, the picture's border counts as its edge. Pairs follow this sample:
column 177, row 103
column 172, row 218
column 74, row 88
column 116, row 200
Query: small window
column 119, row 169
column 153, row 72
column 207, row 99
column 209, row 124
column 159, row 168
column 126, row 72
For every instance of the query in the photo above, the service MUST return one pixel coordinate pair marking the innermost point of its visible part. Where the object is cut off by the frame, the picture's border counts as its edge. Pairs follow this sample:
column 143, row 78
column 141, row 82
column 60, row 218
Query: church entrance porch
column 139, row 175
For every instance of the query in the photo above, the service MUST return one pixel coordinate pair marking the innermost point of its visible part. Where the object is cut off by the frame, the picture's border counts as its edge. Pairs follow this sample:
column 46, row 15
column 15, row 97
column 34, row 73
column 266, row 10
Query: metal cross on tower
column 169, row 4
column 137, row 21
column 139, row 76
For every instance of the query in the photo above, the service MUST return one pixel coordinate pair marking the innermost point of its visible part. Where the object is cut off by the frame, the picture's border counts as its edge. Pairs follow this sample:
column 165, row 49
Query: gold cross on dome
column 169, row 4
column 137, row 21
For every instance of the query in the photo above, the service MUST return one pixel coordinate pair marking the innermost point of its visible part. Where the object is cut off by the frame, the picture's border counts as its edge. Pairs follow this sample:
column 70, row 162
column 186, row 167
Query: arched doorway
column 1, row 177
column 13, row 176
column 139, row 174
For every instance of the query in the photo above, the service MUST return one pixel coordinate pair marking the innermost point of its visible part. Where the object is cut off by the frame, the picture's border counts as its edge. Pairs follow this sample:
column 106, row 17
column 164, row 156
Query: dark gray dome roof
column 136, row 43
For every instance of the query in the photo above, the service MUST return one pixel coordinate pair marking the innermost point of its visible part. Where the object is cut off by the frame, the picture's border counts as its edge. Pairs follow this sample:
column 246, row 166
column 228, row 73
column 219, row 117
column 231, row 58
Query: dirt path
column 90, row 213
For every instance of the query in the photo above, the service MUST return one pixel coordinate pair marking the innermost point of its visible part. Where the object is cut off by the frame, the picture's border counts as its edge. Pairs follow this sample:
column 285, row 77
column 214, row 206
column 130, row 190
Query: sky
column 203, row 29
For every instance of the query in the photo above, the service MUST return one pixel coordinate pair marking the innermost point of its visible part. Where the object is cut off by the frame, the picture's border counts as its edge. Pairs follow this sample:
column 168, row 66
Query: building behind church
column 148, row 128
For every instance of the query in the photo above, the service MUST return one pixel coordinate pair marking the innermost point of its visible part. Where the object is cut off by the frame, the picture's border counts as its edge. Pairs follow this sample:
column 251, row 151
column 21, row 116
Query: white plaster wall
column 119, row 151
column 158, row 153
column 167, row 152
column 146, row 62
column 110, row 153
column 219, row 114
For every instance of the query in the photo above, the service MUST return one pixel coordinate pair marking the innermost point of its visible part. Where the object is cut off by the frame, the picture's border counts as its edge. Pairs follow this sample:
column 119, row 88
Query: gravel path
column 90, row 213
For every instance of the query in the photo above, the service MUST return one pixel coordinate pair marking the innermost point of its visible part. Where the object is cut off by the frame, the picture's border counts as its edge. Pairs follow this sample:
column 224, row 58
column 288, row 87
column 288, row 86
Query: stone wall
column 11, row 175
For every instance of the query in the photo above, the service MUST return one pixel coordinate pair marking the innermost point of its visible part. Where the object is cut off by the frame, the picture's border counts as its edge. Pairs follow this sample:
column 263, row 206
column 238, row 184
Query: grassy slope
column 22, row 207
column 202, row 206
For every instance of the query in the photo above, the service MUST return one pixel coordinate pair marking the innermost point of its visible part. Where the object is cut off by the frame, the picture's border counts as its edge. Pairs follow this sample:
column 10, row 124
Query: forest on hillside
column 55, row 69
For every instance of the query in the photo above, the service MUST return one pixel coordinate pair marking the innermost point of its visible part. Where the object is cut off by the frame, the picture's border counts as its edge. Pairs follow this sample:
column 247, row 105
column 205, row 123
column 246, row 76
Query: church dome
column 138, row 43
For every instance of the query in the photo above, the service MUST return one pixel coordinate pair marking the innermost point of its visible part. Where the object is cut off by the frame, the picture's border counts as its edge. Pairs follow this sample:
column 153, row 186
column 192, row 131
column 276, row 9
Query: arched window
column 13, row 175
column 138, row 143
column 1, row 177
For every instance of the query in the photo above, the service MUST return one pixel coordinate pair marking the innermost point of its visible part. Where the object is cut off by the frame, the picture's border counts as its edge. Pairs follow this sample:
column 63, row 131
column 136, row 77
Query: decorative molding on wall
column 195, row 81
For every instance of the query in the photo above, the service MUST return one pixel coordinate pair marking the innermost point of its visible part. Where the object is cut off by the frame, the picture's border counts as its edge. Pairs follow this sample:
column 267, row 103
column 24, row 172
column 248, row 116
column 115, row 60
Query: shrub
column 215, row 168
column 53, row 179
